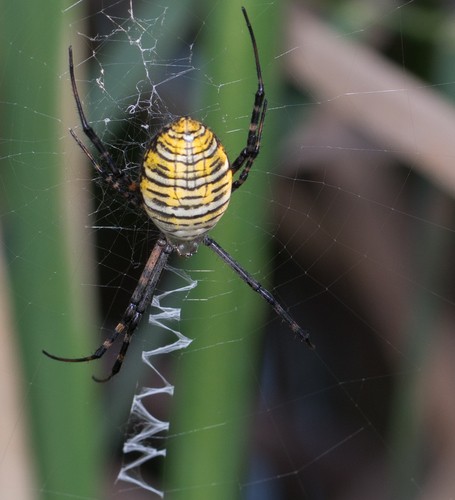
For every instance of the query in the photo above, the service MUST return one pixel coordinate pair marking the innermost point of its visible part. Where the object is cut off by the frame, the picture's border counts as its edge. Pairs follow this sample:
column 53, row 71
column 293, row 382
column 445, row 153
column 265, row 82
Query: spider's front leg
column 140, row 300
column 258, row 288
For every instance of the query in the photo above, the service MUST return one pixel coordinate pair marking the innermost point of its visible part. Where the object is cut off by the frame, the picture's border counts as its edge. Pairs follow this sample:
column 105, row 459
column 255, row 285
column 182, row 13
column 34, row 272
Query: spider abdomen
column 186, row 180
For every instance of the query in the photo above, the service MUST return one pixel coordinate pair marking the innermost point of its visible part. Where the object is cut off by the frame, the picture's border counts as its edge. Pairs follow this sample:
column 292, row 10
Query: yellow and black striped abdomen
column 186, row 180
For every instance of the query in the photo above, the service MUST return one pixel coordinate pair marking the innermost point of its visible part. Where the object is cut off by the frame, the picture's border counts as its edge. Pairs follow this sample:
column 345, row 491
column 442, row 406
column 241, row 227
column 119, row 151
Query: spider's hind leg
column 249, row 153
column 116, row 178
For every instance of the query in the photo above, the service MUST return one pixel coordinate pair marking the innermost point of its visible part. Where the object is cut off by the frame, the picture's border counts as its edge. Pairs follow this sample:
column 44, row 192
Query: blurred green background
column 347, row 216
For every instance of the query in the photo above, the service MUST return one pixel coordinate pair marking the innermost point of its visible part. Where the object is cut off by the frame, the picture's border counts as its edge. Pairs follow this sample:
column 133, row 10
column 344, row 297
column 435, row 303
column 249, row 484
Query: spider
column 185, row 186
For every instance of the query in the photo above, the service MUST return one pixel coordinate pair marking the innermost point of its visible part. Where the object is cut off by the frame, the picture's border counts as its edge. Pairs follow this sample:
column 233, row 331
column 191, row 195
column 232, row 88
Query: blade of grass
column 62, row 408
column 214, row 384
column 370, row 93
column 17, row 474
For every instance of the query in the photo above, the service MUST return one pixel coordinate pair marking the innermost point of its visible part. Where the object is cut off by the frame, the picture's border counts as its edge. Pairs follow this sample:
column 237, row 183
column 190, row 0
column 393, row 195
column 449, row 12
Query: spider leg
column 140, row 300
column 253, row 143
column 143, row 294
column 257, row 287
column 116, row 178
column 248, row 156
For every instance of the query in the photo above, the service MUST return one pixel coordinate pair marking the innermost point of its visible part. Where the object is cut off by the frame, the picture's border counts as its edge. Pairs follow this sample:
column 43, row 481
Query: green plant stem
column 64, row 416
column 216, row 374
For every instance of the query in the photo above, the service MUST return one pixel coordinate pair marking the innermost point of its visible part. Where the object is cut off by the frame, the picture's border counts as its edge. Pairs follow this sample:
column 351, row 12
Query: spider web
column 146, row 425
column 350, row 225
